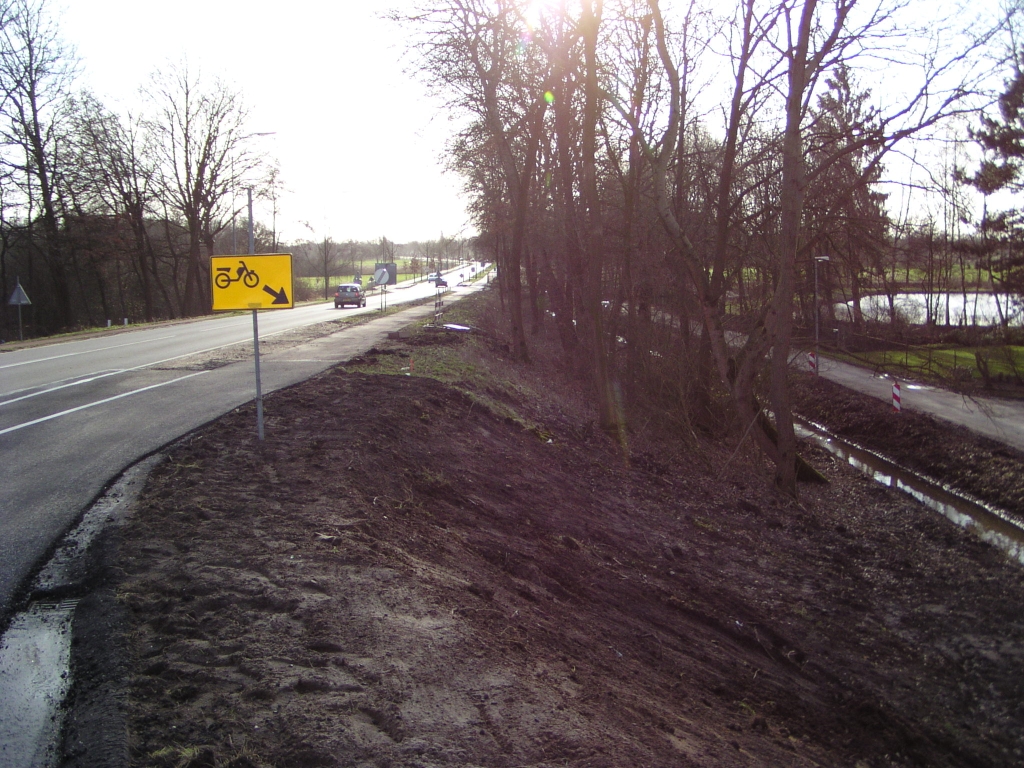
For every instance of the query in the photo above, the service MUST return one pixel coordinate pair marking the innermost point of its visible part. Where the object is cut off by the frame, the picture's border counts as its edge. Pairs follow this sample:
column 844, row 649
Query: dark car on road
column 349, row 293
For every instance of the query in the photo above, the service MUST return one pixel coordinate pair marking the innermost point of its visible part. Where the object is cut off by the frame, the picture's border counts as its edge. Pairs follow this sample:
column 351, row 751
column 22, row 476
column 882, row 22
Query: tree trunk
column 781, row 316
column 608, row 412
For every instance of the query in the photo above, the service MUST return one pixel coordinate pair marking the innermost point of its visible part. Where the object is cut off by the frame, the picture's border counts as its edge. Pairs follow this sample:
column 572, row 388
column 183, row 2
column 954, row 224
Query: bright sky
column 358, row 143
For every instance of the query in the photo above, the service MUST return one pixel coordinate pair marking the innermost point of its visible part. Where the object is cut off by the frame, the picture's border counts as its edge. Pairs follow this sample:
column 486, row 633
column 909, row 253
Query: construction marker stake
column 812, row 362
column 896, row 404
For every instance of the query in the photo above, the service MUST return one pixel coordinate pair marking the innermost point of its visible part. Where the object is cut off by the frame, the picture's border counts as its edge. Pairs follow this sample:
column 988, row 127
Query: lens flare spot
column 549, row 97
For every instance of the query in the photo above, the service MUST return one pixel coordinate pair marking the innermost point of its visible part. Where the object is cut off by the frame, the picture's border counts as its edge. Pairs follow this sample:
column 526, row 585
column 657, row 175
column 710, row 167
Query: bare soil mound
column 412, row 573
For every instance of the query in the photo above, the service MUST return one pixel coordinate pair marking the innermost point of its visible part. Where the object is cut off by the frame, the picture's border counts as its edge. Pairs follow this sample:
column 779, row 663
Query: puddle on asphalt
column 990, row 524
column 35, row 651
column 34, row 677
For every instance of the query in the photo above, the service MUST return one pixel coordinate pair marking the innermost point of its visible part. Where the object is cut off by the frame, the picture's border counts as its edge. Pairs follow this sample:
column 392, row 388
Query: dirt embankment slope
column 410, row 573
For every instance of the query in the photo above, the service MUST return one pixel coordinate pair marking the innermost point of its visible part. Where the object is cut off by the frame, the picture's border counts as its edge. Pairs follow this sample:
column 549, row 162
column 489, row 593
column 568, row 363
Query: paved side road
column 1001, row 420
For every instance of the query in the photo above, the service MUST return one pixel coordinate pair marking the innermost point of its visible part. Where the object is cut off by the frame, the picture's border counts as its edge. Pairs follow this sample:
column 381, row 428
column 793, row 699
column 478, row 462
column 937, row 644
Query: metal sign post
column 20, row 299
column 256, row 337
column 259, row 388
column 382, row 277
column 253, row 282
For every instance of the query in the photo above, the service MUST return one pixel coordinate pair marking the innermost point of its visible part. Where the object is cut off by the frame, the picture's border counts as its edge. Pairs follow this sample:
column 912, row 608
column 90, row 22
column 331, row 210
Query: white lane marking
column 93, row 377
column 86, row 352
column 158, row 338
column 60, row 386
column 58, row 382
column 16, row 427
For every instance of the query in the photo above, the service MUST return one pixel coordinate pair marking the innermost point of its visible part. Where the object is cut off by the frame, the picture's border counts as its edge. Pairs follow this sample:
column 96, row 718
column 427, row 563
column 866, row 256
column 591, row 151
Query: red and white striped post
column 896, row 405
column 812, row 363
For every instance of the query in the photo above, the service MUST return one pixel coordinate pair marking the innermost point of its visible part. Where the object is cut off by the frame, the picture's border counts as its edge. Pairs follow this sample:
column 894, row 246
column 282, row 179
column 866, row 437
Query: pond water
column 946, row 308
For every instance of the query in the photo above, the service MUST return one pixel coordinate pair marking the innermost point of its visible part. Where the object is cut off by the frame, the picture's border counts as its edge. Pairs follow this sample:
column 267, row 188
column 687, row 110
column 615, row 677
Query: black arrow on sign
column 280, row 297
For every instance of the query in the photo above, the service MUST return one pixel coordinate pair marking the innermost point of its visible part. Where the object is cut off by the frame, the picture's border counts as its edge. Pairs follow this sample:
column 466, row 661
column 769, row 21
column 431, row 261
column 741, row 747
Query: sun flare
column 535, row 12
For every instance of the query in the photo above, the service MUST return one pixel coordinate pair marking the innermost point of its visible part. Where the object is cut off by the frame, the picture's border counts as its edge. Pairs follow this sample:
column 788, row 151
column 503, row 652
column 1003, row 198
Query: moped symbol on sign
column 252, row 282
column 223, row 278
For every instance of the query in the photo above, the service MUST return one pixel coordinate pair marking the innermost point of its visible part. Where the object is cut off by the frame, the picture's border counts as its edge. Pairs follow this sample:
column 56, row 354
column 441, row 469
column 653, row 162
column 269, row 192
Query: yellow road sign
column 252, row 282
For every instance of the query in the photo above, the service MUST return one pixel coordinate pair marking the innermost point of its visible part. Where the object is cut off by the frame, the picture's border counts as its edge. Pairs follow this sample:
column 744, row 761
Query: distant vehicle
column 433, row 276
column 439, row 283
column 349, row 293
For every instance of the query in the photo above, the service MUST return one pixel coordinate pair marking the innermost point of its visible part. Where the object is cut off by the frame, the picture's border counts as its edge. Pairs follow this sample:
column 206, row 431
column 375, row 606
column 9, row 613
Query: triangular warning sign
column 19, row 297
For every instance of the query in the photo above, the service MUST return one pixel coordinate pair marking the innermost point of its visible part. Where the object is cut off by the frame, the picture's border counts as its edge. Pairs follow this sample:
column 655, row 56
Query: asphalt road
column 74, row 415
column 999, row 419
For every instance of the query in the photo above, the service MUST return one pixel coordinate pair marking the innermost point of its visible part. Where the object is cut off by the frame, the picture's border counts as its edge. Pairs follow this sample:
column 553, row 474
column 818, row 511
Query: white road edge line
column 16, row 427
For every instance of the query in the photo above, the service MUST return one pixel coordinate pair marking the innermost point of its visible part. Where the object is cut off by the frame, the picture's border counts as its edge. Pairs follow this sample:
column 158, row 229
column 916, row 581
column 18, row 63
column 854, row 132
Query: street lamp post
column 234, row 182
column 817, row 362
column 252, row 233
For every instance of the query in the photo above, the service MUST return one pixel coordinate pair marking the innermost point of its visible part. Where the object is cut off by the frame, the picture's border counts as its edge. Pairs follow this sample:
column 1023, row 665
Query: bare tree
column 271, row 188
column 563, row 190
column 593, row 239
column 327, row 259
column 204, row 148
column 781, row 51
column 118, row 156
column 37, row 71
column 387, row 251
column 474, row 49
